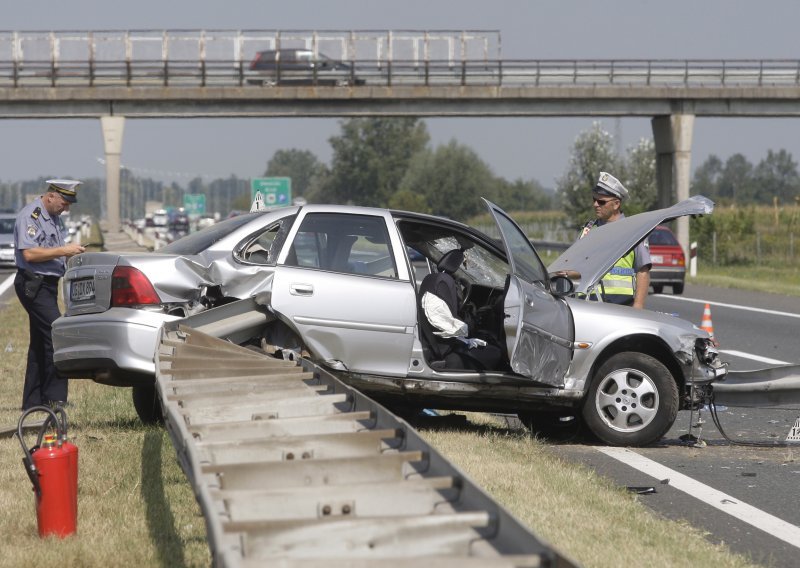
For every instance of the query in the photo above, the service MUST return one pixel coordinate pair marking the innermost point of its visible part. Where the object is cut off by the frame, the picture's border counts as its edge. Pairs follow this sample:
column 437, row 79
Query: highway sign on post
column 194, row 203
column 273, row 191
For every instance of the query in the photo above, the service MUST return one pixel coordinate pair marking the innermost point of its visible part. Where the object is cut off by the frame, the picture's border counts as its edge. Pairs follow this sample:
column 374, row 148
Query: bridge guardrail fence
column 377, row 58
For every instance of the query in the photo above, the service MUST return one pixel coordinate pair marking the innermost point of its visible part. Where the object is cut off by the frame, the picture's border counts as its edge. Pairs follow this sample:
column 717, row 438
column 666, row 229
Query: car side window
column 264, row 247
column 353, row 244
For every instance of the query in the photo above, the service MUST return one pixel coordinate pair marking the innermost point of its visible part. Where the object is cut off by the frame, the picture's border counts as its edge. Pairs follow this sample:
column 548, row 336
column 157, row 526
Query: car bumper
column 116, row 347
column 667, row 275
column 7, row 258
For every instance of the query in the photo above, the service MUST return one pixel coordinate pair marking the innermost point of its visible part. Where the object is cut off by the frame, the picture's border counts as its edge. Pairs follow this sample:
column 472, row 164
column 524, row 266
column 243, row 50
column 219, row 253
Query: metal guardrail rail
column 292, row 467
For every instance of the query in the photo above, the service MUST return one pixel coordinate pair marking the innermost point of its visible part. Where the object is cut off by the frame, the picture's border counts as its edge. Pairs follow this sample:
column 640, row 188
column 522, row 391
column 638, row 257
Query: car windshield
column 7, row 225
column 196, row 243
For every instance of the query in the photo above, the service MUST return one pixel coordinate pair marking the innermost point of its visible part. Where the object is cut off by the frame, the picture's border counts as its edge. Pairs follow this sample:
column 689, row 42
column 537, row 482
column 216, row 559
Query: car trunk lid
column 97, row 281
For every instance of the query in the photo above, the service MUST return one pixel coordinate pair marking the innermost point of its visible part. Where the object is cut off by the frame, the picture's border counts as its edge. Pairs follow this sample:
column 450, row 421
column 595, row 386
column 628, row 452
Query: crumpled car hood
column 595, row 254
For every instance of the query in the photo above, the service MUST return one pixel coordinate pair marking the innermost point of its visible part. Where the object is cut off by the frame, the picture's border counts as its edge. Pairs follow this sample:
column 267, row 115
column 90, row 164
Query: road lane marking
column 6, row 284
column 734, row 306
column 758, row 358
column 757, row 518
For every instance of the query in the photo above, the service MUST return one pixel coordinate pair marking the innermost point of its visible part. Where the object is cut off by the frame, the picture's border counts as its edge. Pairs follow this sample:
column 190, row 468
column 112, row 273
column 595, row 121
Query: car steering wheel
column 466, row 288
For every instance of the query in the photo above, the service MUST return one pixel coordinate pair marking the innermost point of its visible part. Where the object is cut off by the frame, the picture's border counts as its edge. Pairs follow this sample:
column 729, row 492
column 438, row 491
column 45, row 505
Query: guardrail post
column 693, row 259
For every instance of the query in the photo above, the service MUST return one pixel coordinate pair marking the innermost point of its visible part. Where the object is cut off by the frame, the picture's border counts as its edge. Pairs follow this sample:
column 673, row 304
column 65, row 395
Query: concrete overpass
column 189, row 74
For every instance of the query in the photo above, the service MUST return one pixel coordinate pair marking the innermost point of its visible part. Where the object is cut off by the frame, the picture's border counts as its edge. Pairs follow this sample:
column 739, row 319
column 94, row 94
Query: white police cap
column 65, row 187
column 609, row 185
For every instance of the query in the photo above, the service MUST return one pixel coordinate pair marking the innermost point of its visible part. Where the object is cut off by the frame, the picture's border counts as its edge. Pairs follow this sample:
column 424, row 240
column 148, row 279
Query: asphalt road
column 743, row 496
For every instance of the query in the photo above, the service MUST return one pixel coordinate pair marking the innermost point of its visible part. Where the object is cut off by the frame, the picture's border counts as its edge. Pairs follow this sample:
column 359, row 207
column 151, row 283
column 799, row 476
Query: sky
column 527, row 148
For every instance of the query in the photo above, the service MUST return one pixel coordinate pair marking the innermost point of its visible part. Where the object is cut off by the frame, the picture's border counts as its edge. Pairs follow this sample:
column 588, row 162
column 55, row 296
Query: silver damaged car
column 341, row 285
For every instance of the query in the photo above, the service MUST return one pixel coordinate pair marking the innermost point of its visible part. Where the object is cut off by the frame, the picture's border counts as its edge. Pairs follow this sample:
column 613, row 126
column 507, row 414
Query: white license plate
column 657, row 258
column 82, row 290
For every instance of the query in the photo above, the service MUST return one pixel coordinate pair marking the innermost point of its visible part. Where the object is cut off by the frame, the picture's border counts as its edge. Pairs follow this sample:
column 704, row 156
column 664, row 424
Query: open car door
column 538, row 326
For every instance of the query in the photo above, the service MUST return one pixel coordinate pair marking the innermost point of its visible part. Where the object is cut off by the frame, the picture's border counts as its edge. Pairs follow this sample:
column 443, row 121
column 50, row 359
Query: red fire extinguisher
column 52, row 465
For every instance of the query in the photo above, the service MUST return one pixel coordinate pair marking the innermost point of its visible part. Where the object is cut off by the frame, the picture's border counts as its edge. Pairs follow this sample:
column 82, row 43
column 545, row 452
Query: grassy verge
column 785, row 280
column 136, row 507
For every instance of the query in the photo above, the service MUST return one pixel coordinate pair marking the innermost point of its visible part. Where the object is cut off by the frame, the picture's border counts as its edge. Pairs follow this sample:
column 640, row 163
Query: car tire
column 657, row 288
column 677, row 288
column 146, row 404
column 632, row 400
column 556, row 425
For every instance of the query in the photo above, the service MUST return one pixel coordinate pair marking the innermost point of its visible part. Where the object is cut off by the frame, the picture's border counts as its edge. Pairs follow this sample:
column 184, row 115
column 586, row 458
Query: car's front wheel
column 632, row 400
column 145, row 401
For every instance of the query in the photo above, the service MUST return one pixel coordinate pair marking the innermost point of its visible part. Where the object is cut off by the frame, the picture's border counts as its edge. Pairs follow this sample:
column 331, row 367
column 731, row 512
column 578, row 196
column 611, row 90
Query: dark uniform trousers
column 42, row 382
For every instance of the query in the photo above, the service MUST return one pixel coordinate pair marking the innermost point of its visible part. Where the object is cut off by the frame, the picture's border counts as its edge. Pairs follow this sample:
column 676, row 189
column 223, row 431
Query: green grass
column 135, row 505
column 770, row 279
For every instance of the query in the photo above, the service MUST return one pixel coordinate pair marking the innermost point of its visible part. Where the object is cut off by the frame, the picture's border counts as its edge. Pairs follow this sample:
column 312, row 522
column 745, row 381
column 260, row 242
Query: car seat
column 443, row 285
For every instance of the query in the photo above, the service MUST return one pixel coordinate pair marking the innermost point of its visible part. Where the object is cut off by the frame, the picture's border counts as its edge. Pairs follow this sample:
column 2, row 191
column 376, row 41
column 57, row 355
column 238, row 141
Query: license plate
column 657, row 258
column 82, row 290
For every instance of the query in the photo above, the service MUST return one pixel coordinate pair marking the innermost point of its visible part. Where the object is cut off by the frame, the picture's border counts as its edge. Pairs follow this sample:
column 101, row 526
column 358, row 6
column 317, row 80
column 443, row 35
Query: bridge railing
column 371, row 72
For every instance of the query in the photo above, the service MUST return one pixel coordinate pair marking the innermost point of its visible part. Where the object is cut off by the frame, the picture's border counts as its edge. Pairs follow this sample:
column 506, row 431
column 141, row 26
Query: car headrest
column 451, row 260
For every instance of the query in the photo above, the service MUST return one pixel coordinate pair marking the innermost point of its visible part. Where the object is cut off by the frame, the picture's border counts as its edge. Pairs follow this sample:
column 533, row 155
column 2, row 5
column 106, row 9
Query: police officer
column 629, row 279
column 39, row 252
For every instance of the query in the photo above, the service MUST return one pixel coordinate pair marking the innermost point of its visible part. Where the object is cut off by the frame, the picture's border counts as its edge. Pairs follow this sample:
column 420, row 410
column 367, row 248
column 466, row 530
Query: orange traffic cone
column 706, row 324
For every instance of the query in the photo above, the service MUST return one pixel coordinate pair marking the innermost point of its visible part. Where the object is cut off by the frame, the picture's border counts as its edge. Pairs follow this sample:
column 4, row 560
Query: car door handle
column 301, row 290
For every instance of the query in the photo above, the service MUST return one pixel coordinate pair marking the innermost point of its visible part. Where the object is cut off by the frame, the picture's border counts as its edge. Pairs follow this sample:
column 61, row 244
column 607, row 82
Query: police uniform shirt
column 36, row 228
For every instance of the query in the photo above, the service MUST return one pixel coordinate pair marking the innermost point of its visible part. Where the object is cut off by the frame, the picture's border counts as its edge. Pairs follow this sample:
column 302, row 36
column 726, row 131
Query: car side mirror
column 561, row 285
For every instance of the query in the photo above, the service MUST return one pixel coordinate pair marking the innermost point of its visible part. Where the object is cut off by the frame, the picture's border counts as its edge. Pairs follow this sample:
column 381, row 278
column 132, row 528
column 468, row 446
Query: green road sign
column 194, row 203
column 273, row 191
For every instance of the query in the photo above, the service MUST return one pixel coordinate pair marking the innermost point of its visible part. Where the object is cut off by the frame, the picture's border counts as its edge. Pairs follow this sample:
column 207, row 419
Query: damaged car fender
column 605, row 329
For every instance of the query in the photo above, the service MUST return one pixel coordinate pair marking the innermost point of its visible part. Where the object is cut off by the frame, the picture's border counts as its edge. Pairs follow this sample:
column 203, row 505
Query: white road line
column 761, row 520
column 735, row 306
column 6, row 284
column 758, row 358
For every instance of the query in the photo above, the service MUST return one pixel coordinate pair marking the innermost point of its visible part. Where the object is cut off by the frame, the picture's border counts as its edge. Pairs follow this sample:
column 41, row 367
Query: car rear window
column 196, row 243
column 662, row 237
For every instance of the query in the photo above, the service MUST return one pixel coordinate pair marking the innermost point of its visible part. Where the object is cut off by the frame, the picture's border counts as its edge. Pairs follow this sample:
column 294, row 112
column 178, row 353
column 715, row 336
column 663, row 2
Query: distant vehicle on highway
column 300, row 67
column 669, row 262
column 7, row 239
column 160, row 218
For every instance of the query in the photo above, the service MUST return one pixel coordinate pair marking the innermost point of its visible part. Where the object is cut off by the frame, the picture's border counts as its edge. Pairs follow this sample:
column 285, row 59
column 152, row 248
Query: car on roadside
column 7, row 221
column 669, row 262
column 338, row 285
column 296, row 66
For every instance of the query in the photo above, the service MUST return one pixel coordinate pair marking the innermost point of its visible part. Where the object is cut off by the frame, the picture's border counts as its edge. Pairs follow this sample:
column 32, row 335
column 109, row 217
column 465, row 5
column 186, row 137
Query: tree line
column 390, row 162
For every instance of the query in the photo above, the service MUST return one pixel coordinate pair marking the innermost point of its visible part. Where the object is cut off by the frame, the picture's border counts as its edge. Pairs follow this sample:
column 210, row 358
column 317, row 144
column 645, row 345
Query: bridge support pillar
column 673, row 140
column 112, row 141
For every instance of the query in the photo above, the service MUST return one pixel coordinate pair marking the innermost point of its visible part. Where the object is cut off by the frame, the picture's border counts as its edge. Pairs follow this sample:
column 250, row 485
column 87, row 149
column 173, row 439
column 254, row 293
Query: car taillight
column 129, row 287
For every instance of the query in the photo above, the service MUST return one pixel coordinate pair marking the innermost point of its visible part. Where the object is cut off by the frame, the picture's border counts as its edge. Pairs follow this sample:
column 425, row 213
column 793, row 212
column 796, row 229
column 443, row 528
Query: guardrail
column 292, row 467
column 370, row 72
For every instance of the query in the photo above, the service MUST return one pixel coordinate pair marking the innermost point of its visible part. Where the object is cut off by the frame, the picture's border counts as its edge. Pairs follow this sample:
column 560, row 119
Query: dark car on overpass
column 295, row 66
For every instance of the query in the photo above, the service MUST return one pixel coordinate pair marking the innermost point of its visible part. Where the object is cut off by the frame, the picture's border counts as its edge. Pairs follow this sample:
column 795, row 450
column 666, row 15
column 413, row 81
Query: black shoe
column 58, row 404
